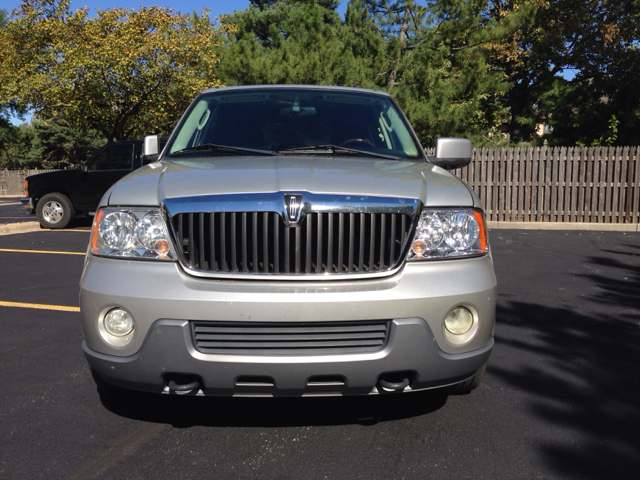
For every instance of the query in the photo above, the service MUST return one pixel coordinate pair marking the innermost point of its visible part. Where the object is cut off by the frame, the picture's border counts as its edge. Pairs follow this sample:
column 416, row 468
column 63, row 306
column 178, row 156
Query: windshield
column 286, row 120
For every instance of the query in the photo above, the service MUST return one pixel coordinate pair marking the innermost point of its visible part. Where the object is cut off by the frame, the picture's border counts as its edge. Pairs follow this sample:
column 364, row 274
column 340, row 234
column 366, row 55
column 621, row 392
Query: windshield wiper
column 221, row 148
column 336, row 149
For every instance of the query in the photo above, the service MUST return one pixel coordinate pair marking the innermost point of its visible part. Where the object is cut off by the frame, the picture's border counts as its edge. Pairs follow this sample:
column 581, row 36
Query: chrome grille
column 260, row 242
column 282, row 339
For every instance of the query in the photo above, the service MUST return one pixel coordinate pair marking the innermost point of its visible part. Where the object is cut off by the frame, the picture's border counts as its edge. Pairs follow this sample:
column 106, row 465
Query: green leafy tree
column 6, row 129
column 124, row 73
column 597, row 43
column 598, row 112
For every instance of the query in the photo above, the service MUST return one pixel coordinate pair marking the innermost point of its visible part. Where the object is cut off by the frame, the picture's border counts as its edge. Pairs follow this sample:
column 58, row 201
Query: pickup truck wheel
column 54, row 210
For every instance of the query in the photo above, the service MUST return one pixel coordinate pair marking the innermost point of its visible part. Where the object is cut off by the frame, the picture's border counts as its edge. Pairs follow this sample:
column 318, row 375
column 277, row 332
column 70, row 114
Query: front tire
column 55, row 210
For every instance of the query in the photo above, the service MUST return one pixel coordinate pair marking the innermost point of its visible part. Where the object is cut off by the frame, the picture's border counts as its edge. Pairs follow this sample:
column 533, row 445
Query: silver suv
column 290, row 240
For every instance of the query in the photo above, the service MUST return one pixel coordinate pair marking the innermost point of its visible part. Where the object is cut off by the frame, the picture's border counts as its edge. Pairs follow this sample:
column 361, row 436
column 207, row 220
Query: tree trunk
column 402, row 39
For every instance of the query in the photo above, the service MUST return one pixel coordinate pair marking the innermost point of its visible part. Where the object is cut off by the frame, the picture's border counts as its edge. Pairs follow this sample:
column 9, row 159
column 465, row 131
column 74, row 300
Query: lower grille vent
column 289, row 339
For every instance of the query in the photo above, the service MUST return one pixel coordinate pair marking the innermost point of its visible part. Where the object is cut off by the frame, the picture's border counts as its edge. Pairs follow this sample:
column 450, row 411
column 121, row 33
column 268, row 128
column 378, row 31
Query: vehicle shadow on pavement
column 185, row 412
column 580, row 365
column 81, row 221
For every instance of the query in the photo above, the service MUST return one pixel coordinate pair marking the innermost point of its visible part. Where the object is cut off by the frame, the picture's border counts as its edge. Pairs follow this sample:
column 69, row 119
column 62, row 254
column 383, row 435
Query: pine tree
column 433, row 59
column 289, row 41
column 56, row 144
column 435, row 62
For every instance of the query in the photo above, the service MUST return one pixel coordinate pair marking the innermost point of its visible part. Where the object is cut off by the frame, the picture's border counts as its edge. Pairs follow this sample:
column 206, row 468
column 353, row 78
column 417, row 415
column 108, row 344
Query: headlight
column 131, row 233
column 449, row 233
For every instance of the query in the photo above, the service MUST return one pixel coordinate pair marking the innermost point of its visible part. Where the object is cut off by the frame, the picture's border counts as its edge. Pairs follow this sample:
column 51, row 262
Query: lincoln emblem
column 292, row 204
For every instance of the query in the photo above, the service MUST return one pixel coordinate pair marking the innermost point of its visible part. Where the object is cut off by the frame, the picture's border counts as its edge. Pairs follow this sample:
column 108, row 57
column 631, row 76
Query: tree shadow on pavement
column 579, row 368
column 622, row 290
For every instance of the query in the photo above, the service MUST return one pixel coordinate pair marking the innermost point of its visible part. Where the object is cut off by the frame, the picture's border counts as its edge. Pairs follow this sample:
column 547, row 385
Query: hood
column 191, row 177
column 49, row 177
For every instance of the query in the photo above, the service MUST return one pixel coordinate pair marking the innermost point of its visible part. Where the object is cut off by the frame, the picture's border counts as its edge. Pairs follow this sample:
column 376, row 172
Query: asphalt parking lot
column 12, row 211
column 561, row 397
column 13, row 214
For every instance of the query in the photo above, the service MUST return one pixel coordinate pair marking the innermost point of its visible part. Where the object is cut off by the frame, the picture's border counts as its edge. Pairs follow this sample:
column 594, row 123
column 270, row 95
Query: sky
column 217, row 6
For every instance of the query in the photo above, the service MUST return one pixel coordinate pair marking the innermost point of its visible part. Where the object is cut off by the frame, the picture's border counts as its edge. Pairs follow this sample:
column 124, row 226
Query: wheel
column 54, row 210
column 469, row 384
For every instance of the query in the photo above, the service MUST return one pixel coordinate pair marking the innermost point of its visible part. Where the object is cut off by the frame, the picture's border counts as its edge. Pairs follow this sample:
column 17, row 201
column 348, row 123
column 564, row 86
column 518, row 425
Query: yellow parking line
column 40, row 251
column 40, row 306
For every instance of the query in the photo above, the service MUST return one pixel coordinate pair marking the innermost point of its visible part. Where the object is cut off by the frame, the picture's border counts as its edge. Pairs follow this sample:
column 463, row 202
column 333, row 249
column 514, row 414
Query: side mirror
column 84, row 168
column 150, row 149
column 452, row 153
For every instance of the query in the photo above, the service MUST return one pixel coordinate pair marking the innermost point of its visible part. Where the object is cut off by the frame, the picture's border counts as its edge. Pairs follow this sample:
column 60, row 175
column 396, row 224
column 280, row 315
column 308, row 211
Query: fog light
column 118, row 322
column 459, row 321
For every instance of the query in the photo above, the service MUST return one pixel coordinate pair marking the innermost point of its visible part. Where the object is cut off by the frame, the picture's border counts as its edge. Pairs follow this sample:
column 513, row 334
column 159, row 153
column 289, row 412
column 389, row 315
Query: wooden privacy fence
column 591, row 185
column 12, row 181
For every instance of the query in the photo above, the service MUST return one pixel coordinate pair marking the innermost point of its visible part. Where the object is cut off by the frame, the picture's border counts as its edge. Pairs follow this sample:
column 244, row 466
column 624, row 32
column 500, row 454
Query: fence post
column 635, row 202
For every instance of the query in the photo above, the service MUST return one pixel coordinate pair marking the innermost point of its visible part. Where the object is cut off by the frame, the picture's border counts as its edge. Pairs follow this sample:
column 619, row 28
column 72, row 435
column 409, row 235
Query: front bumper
column 27, row 202
column 169, row 353
column 163, row 300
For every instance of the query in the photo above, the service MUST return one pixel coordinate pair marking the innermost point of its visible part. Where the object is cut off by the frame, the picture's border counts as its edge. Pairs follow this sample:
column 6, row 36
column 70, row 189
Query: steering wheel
column 354, row 140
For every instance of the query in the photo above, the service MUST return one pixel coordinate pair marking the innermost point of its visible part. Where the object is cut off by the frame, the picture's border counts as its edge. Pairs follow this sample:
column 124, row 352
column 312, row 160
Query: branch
column 455, row 49
column 490, row 141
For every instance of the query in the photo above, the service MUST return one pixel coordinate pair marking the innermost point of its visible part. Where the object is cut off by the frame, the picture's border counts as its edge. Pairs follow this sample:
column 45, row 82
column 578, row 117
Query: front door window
column 113, row 157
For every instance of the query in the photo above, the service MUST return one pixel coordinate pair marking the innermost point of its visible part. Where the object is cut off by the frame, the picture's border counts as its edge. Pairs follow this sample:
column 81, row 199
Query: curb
column 21, row 227
column 597, row 227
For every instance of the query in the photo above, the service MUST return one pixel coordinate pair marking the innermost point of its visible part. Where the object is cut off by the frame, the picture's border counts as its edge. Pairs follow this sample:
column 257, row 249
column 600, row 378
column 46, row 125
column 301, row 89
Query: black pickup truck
column 57, row 197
